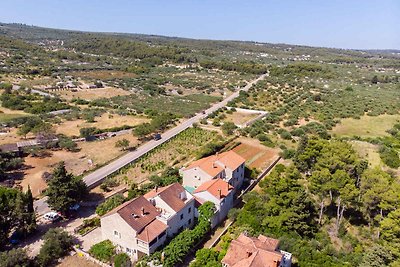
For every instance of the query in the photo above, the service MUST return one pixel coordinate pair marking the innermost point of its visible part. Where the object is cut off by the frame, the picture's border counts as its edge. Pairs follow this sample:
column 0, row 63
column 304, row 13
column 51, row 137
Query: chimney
column 219, row 193
column 213, row 165
column 249, row 253
column 143, row 211
column 156, row 189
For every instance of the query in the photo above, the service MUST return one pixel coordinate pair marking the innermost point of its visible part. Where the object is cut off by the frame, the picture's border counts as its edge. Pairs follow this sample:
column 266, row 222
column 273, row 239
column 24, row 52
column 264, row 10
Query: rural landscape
column 121, row 149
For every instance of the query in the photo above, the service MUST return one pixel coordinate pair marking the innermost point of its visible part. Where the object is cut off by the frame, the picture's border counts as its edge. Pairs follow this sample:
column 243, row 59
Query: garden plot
column 175, row 153
column 256, row 155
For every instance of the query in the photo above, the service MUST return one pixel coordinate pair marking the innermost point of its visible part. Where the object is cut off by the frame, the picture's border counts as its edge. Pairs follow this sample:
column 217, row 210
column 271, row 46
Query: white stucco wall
column 126, row 237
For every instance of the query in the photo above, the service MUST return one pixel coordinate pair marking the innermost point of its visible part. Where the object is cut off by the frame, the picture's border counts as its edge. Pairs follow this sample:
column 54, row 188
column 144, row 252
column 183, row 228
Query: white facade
column 115, row 229
column 222, row 205
column 176, row 221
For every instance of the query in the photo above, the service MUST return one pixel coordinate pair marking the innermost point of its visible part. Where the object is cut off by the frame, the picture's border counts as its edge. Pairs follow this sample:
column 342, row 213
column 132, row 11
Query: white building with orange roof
column 228, row 166
column 139, row 226
column 220, row 193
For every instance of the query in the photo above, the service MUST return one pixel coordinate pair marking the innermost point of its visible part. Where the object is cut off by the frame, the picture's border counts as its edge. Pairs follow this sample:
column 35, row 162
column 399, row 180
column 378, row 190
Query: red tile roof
column 216, row 187
column 151, row 231
column 171, row 195
column 253, row 252
column 215, row 164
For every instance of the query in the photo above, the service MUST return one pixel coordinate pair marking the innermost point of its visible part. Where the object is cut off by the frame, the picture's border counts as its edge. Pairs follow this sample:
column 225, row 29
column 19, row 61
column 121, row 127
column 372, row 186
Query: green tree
column 64, row 190
column 123, row 144
column 228, row 128
column 206, row 257
column 57, row 243
column 320, row 186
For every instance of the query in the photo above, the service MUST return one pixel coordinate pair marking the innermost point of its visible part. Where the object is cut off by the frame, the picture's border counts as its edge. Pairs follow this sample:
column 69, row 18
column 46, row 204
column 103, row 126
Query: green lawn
column 367, row 126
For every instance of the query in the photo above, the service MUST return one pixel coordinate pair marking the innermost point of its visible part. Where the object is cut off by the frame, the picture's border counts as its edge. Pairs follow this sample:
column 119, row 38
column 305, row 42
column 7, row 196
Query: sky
column 357, row 24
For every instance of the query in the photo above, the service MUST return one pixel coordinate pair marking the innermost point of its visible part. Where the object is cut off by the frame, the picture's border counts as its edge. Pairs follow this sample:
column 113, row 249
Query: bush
column 228, row 128
column 122, row 260
column 110, row 204
column 103, row 251
column 57, row 243
column 14, row 257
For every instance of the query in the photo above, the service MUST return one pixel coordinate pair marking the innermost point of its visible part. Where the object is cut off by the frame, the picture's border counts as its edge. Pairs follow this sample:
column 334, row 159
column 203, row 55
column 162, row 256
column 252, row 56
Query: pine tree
column 64, row 189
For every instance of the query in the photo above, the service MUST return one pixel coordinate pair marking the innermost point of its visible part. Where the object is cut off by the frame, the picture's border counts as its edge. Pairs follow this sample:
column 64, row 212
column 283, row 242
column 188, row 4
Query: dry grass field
column 98, row 152
column 103, row 74
column 240, row 118
column 91, row 94
column 71, row 128
column 367, row 126
column 369, row 152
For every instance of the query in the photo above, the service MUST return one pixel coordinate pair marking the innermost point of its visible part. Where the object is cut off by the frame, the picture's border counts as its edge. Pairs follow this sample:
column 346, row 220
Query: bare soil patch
column 75, row 261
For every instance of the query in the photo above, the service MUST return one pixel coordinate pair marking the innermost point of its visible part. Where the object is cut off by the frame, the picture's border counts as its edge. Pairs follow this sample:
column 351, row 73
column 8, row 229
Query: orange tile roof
column 215, row 164
column 214, row 187
column 170, row 194
column 151, row 231
column 253, row 252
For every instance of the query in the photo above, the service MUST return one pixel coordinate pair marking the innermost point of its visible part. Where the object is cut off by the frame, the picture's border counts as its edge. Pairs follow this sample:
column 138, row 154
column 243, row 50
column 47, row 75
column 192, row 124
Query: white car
column 52, row 216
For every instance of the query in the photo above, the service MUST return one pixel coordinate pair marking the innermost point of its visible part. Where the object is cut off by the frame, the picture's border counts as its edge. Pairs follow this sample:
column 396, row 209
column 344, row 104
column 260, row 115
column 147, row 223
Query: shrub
column 103, row 251
column 110, row 204
column 122, row 260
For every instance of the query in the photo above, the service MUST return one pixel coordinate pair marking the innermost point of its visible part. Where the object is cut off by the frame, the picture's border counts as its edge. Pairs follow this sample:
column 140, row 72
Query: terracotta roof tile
column 215, row 164
column 151, row 231
column 253, row 252
column 171, row 195
column 216, row 187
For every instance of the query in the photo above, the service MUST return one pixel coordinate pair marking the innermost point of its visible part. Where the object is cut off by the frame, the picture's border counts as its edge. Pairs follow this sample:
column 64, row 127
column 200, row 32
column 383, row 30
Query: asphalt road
column 97, row 176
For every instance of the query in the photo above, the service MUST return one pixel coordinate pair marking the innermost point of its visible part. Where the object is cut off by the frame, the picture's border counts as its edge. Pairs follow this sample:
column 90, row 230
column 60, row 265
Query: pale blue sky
column 363, row 24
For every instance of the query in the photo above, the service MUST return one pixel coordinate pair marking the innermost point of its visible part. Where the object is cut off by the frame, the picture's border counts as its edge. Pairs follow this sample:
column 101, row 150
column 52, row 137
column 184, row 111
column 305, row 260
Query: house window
column 180, row 229
column 181, row 216
column 129, row 251
column 190, row 210
column 116, row 234
column 190, row 221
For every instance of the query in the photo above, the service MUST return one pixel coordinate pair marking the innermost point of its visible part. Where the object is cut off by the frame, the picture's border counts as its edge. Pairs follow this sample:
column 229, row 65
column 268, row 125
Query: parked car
column 157, row 136
column 74, row 207
column 52, row 216
column 15, row 238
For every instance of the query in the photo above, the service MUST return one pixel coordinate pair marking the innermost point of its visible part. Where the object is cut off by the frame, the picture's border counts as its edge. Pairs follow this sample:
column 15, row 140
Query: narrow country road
column 97, row 176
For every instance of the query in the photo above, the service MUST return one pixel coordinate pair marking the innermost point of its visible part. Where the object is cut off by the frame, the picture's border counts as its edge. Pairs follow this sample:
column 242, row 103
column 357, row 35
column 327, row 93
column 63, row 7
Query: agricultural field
column 366, row 126
column 178, row 152
column 105, row 121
